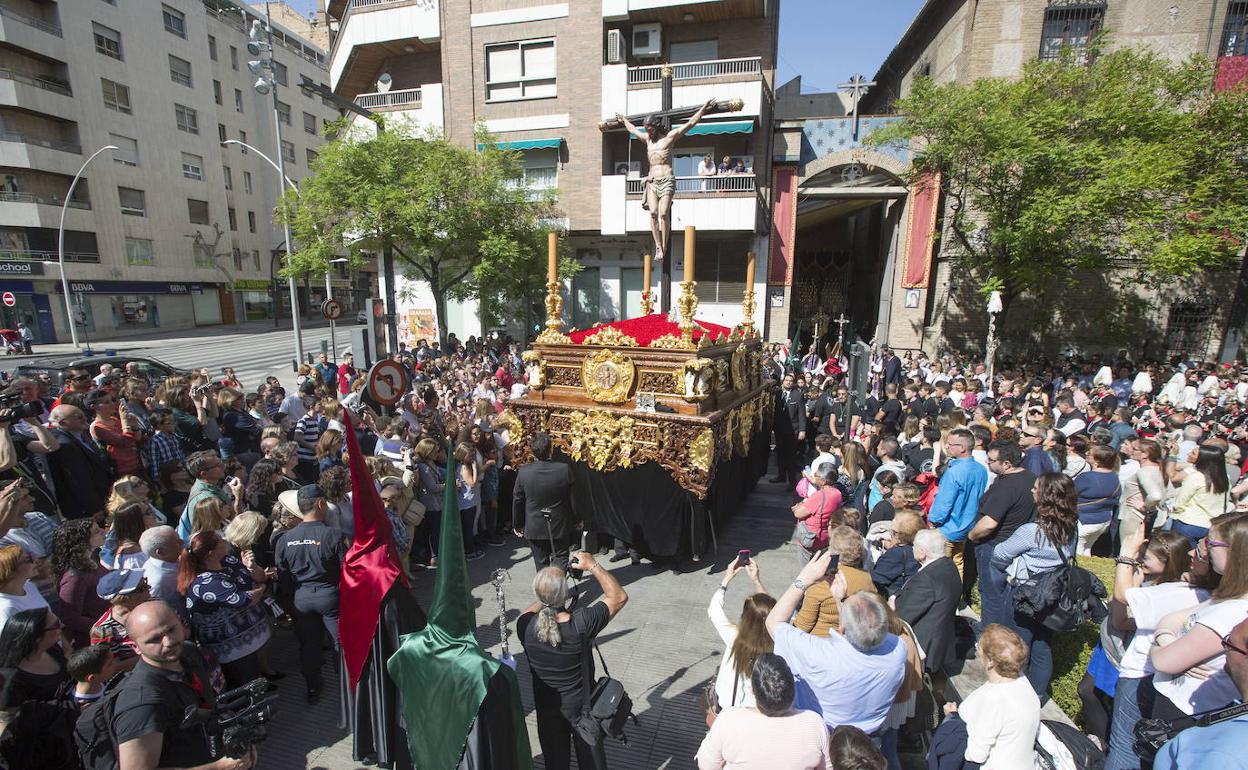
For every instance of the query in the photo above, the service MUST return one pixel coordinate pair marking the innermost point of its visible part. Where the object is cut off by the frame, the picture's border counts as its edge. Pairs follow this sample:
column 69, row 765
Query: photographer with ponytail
column 554, row 642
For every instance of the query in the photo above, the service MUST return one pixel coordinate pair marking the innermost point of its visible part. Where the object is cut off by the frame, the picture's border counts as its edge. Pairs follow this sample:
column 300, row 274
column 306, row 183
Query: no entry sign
column 9, row 299
column 331, row 309
column 387, row 382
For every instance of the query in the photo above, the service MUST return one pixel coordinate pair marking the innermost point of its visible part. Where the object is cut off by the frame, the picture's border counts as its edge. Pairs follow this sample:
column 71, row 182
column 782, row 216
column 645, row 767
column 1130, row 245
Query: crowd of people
column 155, row 535
column 941, row 482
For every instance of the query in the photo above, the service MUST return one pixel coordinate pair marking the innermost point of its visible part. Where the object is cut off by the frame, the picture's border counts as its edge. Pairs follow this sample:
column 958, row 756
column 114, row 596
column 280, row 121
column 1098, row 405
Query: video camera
column 239, row 721
column 12, row 408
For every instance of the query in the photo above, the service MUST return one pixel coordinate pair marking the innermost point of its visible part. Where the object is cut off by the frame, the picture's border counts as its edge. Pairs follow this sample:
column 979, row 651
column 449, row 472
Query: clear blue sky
column 824, row 41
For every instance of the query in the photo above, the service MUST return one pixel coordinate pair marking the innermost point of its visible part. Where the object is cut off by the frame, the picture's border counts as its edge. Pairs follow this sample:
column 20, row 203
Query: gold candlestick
column 687, row 303
column 552, row 334
column 747, row 299
column 647, row 298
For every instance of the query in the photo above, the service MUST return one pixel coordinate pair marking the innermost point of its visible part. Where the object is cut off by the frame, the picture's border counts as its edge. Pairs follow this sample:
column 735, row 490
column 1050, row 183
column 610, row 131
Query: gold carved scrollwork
column 607, row 376
column 671, row 342
column 740, row 379
column 658, row 381
column 600, row 440
column 702, row 451
column 745, row 427
column 609, row 335
column 723, row 380
column 553, row 337
column 567, row 376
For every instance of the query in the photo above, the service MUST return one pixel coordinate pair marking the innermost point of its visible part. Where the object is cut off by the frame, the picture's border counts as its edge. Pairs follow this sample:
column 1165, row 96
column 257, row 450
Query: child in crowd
column 91, row 667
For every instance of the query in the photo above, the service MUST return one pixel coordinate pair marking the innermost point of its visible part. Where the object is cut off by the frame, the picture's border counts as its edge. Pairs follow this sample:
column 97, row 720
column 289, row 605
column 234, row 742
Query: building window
column 233, row 218
column 255, row 258
column 242, row 137
column 180, row 71
column 107, row 41
column 238, row 258
column 139, row 251
column 247, row 182
column 127, row 152
column 251, row 221
column 197, row 211
column 229, row 177
column 523, row 70
column 288, row 151
column 188, row 119
column 724, row 275
column 1070, row 24
column 212, row 48
column 192, row 167
column 283, row 112
column 279, row 73
column 234, row 58
column 539, row 170
column 312, row 156
column 116, row 96
column 133, row 202
column 175, row 21
column 238, row 100
column 221, row 133
column 309, row 123
column 216, row 92
column 1234, row 30
column 1188, row 327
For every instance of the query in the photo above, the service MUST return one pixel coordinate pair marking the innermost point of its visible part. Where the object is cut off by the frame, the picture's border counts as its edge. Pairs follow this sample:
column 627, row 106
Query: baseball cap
column 119, row 582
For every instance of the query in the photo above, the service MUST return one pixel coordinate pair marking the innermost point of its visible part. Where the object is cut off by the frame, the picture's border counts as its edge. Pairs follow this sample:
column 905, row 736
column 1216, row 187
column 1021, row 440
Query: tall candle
column 645, row 273
column 749, row 271
column 552, row 257
column 689, row 238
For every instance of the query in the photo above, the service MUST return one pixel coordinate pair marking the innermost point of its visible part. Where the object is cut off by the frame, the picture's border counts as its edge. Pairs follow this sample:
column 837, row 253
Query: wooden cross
column 857, row 87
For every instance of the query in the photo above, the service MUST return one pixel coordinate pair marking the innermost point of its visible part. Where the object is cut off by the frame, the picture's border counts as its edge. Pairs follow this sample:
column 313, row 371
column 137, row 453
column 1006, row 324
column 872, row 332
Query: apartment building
column 170, row 230
column 863, row 238
column 541, row 77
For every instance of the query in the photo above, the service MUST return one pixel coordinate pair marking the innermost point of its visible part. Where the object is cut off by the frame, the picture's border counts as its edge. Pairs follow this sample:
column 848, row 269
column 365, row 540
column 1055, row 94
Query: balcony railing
column 21, row 197
column 9, row 136
column 47, row 84
column 404, row 99
column 738, row 183
column 354, row 4
column 47, row 256
column 40, row 24
column 653, row 73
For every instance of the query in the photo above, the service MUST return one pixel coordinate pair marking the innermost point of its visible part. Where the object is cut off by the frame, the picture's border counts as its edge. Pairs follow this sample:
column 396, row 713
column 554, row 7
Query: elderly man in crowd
column 929, row 602
column 80, row 471
column 851, row 677
column 163, row 547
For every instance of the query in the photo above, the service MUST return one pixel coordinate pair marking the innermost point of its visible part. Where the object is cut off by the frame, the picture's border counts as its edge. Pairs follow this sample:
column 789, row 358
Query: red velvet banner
column 783, row 226
column 924, row 197
column 1231, row 70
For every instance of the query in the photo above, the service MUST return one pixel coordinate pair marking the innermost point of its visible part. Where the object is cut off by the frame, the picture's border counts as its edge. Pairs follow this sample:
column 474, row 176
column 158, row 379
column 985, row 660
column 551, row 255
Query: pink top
column 822, row 504
column 746, row 739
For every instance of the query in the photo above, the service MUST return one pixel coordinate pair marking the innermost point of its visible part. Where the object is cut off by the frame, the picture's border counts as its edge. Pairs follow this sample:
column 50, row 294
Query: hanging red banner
column 924, row 200
column 783, row 226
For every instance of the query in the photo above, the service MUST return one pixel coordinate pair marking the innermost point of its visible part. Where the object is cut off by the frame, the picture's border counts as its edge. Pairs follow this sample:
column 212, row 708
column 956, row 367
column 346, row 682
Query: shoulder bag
column 1062, row 598
column 607, row 706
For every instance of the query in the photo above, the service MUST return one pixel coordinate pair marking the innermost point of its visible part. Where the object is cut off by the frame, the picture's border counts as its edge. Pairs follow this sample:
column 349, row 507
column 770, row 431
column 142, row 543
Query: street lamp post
column 329, row 294
column 990, row 352
column 60, row 243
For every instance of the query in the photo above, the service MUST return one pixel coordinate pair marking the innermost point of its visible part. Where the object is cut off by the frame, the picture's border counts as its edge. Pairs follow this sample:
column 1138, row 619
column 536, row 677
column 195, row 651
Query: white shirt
column 293, row 406
column 162, row 578
column 1148, row 605
column 1002, row 719
column 1192, row 694
column 726, row 679
column 31, row 599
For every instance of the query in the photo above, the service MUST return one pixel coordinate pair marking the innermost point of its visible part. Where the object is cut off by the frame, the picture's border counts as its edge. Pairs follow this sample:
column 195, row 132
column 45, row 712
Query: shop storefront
column 257, row 298
column 105, row 307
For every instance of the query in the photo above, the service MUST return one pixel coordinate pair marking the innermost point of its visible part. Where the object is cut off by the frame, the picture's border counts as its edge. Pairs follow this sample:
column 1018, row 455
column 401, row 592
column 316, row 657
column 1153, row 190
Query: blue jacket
column 957, row 498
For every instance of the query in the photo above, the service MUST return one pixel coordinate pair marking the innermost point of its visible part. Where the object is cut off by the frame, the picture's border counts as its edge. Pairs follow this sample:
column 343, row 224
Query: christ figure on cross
column 660, row 181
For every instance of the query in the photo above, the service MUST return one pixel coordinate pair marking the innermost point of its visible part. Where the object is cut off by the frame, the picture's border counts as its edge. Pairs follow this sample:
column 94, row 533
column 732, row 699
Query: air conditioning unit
column 647, row 40
column 615, row 46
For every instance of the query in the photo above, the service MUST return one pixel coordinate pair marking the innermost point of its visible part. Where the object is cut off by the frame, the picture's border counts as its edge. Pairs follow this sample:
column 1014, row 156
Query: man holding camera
column 149, row 713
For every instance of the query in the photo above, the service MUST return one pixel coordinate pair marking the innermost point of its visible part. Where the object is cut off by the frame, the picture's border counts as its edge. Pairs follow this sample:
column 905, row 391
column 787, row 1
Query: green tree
column 1128, row 160
column 455, row 217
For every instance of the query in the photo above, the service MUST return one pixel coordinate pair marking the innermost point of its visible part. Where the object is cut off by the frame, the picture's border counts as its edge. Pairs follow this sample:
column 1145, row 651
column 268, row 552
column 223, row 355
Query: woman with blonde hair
column 209, row 515
column 432, row 483
column 329, row 450
column 245, row 530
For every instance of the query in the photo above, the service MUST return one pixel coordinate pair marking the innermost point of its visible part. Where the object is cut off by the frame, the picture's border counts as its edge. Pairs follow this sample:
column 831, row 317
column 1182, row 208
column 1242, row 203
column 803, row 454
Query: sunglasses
column 1230, row 646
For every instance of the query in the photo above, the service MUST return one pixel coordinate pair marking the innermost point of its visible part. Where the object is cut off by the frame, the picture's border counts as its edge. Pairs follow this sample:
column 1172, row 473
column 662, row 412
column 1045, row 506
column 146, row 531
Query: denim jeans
column 888, row 747
column 994, row 592
column 1192, row 533
column 1040, row 662
column 1132, row 701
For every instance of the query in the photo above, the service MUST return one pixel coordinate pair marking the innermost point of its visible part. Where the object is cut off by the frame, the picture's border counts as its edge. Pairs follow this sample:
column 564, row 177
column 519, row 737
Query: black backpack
column 93, row 732
column 1062, row 599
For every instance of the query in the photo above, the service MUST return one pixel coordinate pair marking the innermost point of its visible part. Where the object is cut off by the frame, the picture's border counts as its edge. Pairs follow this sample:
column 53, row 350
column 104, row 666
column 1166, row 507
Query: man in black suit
column 892, row 366
column 80, row 472
column 790, row 428
column 542, row 505
column 929, row 602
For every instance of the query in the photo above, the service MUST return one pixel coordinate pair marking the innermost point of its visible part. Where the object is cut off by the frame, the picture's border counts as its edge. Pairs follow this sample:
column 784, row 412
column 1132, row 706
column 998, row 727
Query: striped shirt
column 311, row 427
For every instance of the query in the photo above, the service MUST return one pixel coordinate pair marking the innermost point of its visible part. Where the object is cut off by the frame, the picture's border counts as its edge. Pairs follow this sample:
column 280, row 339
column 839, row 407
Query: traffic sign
column 387, row 382
column 9, row 299
column 331, row 309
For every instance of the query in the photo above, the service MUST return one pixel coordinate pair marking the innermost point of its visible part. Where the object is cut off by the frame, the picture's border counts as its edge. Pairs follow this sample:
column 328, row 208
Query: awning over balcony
column 531, row 144
column 711, row 129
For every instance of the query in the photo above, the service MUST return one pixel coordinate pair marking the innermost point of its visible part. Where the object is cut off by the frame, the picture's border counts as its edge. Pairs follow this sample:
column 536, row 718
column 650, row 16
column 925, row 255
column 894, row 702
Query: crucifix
column 840, row 328
column 659, row 185
column 857, row 87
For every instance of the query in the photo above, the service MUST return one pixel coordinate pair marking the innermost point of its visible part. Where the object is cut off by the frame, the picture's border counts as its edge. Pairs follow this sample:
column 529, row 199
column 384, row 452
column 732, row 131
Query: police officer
column 309, row 558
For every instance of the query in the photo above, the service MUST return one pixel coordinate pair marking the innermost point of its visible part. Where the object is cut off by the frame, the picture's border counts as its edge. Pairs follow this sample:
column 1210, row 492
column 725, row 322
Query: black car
column 56, row 367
